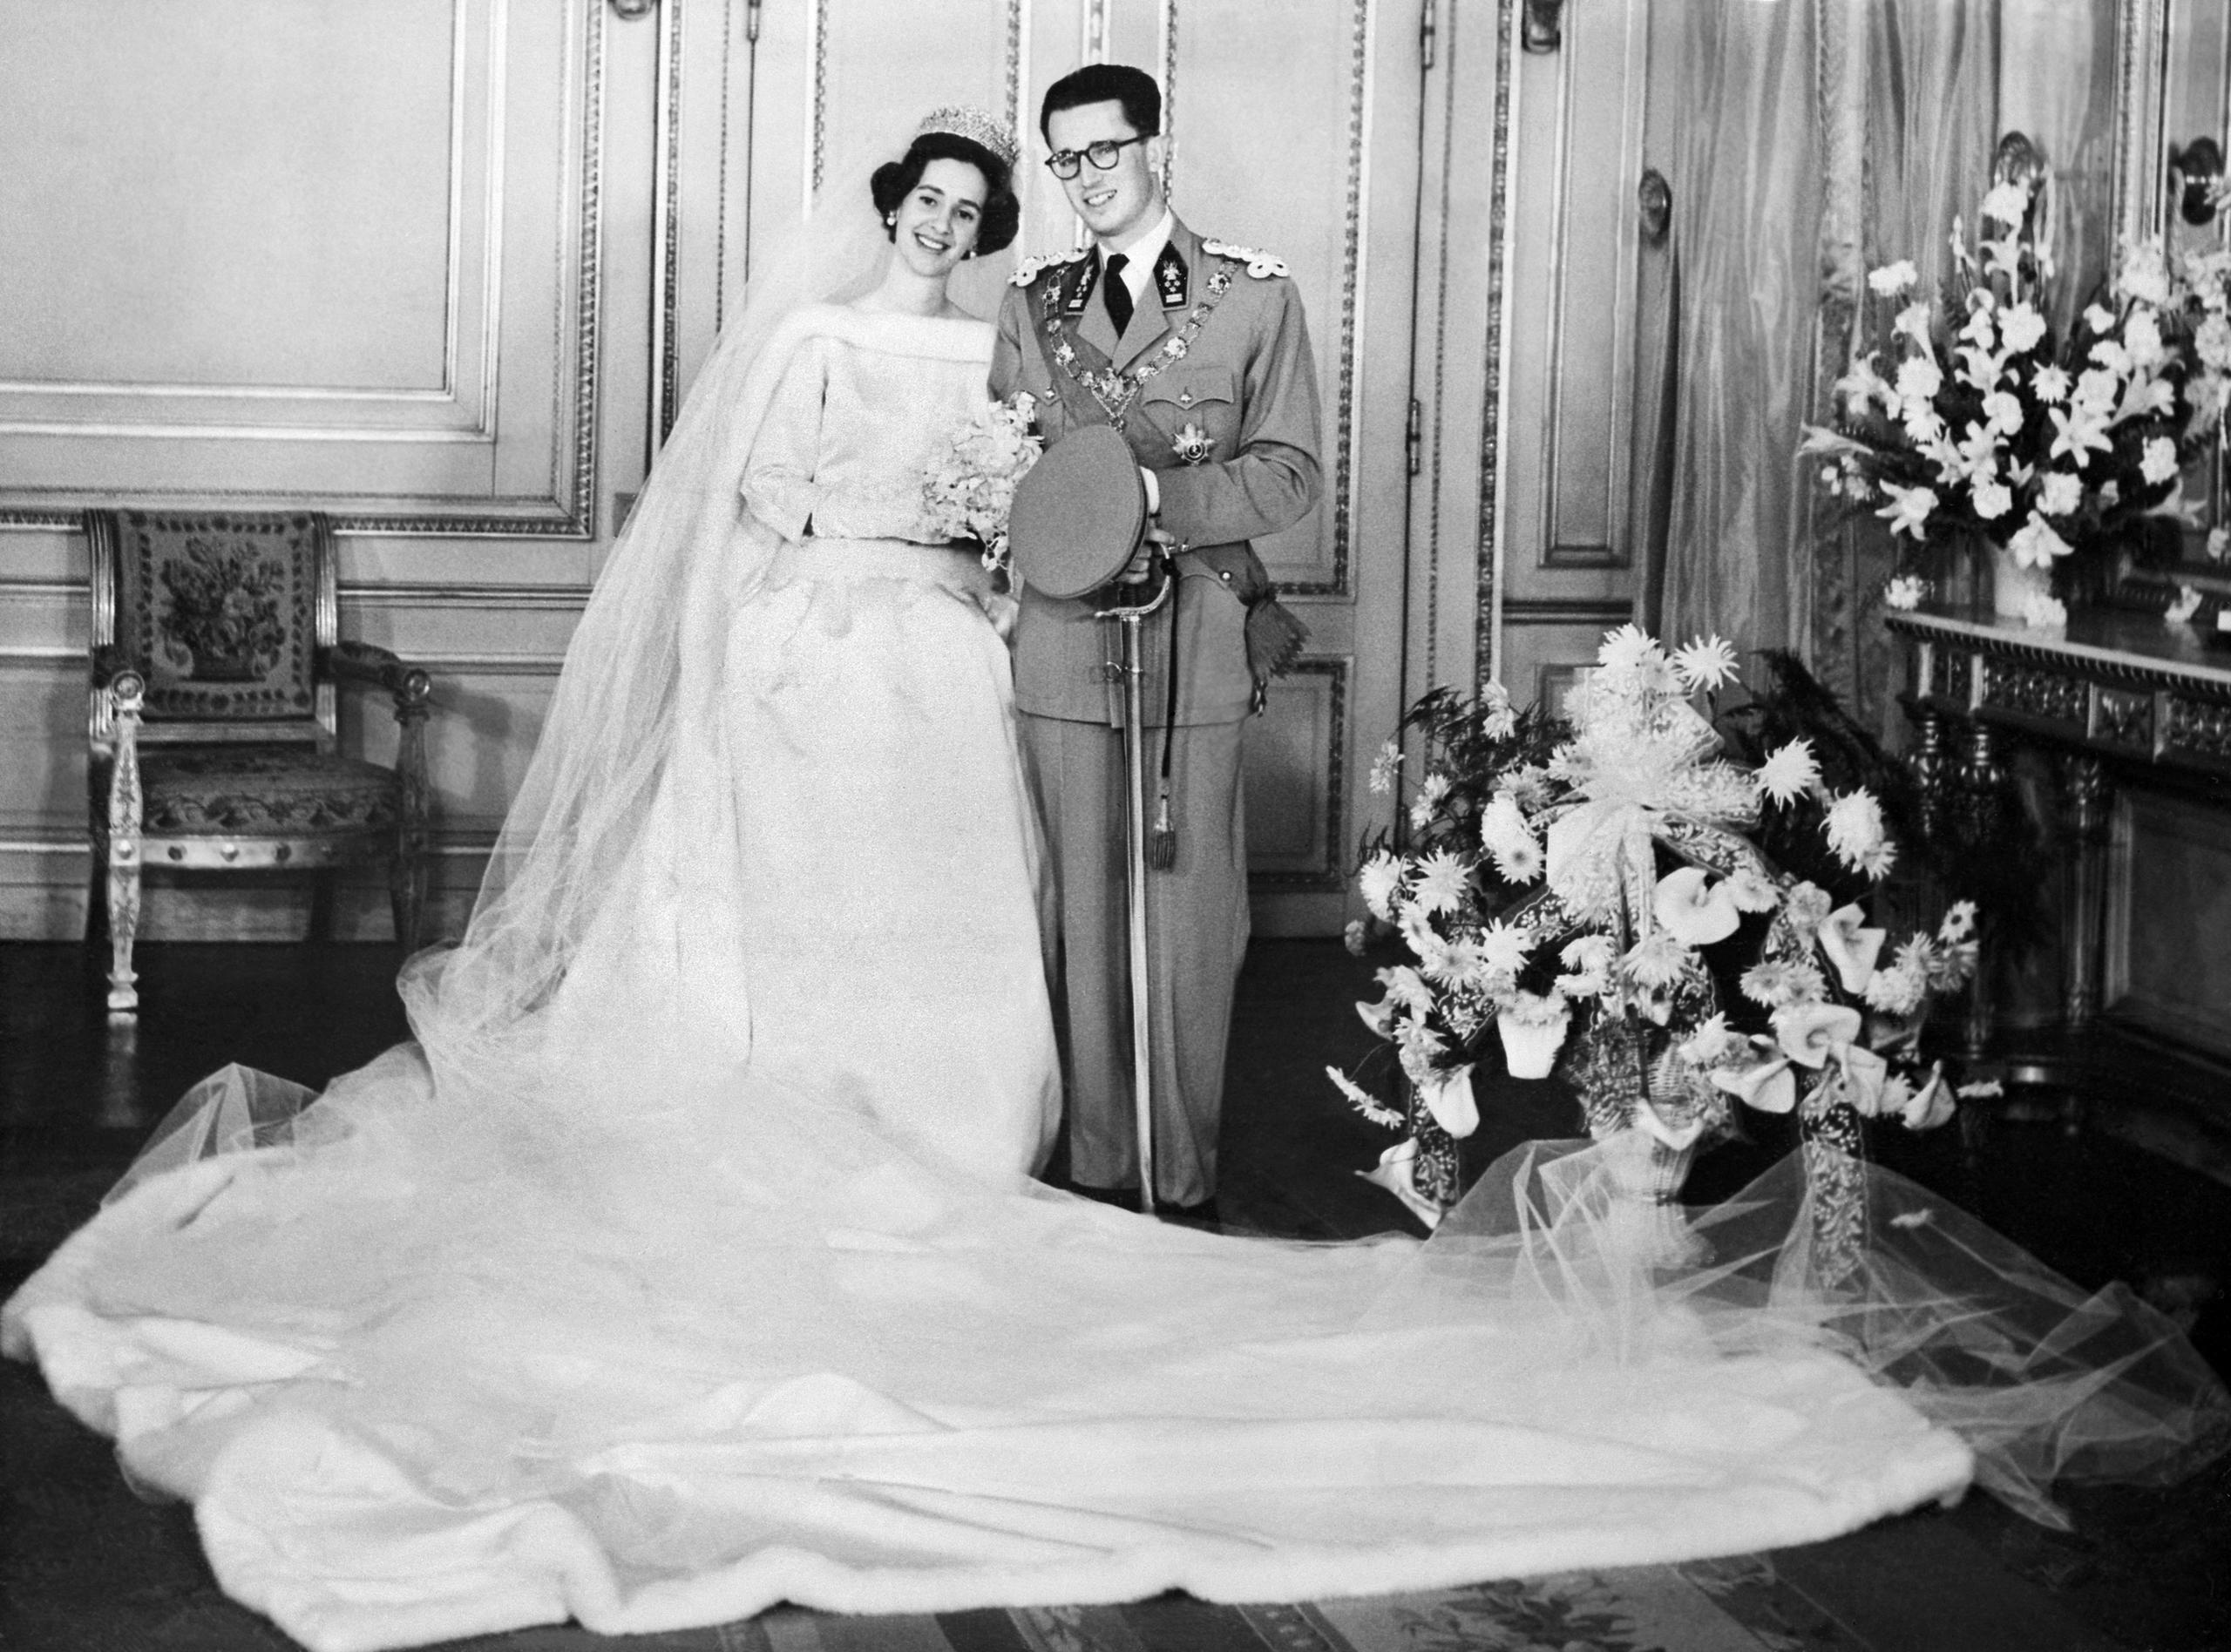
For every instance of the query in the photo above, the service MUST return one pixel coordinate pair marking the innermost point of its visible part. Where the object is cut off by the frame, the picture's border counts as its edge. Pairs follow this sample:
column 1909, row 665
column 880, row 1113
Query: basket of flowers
column 1592, row 897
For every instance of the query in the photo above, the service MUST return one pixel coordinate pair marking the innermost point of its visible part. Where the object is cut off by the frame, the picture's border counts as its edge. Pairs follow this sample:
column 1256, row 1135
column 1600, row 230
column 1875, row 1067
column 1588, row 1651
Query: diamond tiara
column 985, row 132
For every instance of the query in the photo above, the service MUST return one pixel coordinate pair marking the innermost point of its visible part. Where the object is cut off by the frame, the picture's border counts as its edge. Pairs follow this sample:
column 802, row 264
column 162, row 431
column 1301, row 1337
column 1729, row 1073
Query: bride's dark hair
column 1002, row 212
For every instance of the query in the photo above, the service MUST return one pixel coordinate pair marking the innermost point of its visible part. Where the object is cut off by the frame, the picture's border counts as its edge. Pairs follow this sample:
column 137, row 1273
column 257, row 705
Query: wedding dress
column 686, row 1261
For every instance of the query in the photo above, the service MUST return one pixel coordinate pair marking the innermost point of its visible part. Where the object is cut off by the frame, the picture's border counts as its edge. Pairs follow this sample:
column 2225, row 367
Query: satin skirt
column 894, row 865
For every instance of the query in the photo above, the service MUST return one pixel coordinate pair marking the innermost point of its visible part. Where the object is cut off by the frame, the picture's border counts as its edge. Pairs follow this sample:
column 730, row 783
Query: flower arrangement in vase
column 1593, row 896
column 1966, row 424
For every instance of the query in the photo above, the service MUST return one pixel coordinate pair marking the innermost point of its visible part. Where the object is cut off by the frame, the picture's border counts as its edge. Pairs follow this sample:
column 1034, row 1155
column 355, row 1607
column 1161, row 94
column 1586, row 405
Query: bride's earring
column 891, row 220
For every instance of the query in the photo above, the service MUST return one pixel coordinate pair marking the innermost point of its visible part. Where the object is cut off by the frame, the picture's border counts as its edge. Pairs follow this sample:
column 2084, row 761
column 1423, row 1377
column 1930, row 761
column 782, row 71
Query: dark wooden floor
column 78, row 1092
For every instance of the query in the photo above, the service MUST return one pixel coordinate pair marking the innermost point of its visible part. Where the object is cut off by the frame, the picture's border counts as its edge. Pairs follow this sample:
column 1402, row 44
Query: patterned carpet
column 1711, row 1606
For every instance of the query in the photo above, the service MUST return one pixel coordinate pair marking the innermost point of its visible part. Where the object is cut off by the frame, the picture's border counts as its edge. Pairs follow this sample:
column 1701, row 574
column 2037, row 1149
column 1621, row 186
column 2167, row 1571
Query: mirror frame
column 2140, row 209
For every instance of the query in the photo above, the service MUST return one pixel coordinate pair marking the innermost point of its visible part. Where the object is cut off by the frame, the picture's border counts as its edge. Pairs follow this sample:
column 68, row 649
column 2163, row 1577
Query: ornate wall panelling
column 634, row 166
column 1334, row 194
column 341, row 253
column 1456, row 369
column 1564, row 568
column 383, row 269
column 836, row 82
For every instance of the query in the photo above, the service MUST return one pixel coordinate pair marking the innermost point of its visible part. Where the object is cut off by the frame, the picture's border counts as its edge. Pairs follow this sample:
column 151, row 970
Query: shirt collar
column 1143, row 252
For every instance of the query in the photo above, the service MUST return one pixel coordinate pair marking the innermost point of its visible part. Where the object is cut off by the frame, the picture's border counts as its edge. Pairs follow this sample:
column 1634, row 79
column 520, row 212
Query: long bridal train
column 425, row 1372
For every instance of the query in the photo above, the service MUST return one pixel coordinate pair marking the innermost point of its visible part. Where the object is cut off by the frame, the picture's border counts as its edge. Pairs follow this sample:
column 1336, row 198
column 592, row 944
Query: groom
column 1197, row 352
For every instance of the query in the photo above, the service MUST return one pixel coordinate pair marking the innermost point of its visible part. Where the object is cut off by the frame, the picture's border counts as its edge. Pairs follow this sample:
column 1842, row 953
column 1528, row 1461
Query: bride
column 838, row 869
column 687, row 1261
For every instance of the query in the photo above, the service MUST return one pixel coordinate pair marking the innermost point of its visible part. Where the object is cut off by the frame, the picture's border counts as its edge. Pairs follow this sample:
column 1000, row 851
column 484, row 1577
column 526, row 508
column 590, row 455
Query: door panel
column 330, row 246
column 1566, row 568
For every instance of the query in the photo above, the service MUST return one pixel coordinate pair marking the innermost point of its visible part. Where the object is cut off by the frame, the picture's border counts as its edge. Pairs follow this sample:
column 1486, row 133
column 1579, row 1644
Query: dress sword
column 1128, row 618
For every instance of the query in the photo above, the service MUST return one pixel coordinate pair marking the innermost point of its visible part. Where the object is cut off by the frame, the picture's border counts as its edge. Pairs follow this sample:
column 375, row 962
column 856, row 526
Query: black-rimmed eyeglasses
column 1064, row 163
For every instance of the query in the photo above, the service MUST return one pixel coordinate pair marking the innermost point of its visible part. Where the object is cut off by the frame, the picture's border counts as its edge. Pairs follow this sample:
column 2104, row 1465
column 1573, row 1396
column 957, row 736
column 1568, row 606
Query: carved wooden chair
column 215, row 661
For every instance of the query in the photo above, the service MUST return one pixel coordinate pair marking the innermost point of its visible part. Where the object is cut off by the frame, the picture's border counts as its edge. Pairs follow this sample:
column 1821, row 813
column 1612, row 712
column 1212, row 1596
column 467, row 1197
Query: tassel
column 1162, row 842
column 1274, row 639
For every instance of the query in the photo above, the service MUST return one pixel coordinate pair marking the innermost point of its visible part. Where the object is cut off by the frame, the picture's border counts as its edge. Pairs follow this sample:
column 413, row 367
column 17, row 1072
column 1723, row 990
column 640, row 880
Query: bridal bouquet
column 1966, row 422
column 1594, row 899
column 968, row 491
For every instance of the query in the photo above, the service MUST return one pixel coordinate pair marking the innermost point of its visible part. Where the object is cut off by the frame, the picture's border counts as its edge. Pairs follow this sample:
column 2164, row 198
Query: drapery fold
column 1807, row 142
column 1746, row 210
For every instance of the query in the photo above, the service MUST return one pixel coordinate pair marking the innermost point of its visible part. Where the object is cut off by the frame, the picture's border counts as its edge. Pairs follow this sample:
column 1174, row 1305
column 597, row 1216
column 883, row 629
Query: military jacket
column 1227, row 420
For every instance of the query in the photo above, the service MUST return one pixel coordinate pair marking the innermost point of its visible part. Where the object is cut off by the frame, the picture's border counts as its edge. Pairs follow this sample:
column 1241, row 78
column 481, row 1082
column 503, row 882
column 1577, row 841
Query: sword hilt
column 1131, row 614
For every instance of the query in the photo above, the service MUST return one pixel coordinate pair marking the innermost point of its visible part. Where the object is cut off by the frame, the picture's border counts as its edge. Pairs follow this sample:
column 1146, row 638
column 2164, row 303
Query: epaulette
column 1262, row 266
column 1029, row 269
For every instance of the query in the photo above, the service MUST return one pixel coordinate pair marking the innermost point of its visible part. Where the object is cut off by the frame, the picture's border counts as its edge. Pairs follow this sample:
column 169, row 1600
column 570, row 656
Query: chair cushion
column 219, row 612
column 263, row 791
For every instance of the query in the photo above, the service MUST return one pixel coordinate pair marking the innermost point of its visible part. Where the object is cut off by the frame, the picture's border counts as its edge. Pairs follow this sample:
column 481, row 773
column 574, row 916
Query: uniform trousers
column 1196, row 937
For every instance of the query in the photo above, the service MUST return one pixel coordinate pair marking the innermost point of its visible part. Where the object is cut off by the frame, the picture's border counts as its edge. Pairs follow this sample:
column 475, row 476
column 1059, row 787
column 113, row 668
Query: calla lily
column 1696, row 909
column 1766, row 1083
column 1810, row 1033
column 1397, row 1172
column 1448, row 1098
column 1931, row 1107
column 1652, row 1123
column 1851, row 946
column 1866, row 1077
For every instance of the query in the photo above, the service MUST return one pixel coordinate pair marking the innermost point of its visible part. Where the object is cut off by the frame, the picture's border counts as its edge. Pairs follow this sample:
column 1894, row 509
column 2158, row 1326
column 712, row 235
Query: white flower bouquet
column 1966, row 422
column 968, row 491
column 1598, row 895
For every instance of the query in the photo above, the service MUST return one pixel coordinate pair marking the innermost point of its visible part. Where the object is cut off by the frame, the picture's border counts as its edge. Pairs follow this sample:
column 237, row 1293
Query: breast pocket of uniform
column 1197, row 409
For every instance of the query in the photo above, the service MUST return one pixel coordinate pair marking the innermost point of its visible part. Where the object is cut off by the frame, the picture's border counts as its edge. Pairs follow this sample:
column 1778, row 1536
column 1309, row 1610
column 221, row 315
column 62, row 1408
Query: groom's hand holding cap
column 1080, row 514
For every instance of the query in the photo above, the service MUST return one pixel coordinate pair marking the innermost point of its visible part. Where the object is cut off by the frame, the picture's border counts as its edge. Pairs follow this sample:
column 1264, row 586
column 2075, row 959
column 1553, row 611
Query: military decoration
column 1029, row 269
column 1191, row 444
column 1260, row 265
column 1115, row 391
column 1173, row 283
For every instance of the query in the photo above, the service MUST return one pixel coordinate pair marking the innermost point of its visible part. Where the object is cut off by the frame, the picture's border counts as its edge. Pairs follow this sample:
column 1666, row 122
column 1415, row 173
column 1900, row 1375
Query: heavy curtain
column 1811, row 141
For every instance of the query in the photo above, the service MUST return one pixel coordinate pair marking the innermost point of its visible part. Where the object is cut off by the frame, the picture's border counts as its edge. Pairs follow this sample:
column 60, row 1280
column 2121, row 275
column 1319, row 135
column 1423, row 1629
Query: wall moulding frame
column 521, row 464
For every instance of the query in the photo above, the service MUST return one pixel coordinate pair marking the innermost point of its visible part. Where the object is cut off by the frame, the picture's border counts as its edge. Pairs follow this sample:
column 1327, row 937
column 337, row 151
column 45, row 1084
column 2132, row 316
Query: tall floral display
column 1968, row 427
column 1593, row 900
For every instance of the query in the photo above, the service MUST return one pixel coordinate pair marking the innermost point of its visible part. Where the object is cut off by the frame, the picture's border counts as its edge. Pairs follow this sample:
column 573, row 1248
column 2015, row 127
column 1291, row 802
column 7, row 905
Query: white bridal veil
column 625, row 799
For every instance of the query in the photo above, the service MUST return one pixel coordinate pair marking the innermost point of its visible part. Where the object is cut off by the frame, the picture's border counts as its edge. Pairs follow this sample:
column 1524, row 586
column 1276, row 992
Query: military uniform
column 1213, row 385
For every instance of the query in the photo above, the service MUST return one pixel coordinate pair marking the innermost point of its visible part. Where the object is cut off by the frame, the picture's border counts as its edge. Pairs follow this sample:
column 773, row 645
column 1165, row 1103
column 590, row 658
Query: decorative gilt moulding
column 2122, row 685
column 495, row 435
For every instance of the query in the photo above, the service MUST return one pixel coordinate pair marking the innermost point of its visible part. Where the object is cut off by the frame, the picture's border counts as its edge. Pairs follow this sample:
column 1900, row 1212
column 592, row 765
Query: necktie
column 1118, row 294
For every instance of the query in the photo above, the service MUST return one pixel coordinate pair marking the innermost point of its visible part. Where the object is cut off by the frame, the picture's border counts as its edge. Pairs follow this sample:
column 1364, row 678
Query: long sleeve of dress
column 847, row 438
column 779, row 485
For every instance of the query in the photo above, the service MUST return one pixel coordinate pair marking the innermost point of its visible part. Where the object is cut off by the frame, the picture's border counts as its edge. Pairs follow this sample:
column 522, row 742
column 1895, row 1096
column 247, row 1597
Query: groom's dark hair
column 1106, row 83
